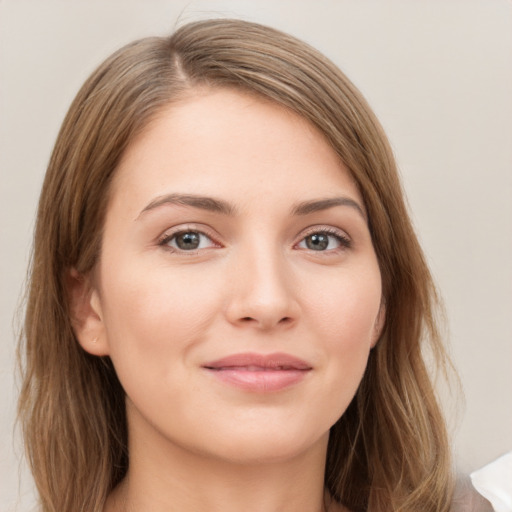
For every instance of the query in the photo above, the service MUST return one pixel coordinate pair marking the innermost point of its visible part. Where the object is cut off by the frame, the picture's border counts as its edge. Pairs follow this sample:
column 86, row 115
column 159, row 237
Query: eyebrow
column 223, row 207
column 201, row 202
column 307, row 207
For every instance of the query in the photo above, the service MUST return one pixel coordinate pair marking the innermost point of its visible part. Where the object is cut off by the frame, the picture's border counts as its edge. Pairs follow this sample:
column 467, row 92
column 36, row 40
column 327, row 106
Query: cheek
column 345, row 316
column 154, row 322
column 346, row 307
column 153, row 315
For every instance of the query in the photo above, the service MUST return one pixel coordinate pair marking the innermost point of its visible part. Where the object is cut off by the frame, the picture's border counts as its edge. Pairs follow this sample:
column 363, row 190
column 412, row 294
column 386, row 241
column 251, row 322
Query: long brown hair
column 389, row 451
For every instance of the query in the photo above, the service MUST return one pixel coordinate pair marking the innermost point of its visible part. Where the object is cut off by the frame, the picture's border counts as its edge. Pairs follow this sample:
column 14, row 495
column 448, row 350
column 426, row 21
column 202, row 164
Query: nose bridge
column 263, row 292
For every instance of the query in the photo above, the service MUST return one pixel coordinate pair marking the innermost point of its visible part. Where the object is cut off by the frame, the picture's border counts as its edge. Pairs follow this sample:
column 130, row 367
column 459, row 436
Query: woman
column 228, row 306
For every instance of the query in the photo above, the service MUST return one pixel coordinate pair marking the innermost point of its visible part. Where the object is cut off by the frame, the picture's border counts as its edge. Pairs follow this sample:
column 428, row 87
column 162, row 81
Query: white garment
column 494, row 482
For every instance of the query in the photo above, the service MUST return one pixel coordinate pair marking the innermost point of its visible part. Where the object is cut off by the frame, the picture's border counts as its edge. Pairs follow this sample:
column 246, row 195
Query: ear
column 86, row 314
column 379, row 323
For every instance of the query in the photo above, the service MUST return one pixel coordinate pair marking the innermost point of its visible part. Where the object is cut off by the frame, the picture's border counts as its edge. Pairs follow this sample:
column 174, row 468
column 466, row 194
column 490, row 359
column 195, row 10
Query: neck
column 164, row 477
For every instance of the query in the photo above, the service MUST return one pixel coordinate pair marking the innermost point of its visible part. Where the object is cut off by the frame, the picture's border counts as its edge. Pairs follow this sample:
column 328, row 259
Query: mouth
column 261, row 373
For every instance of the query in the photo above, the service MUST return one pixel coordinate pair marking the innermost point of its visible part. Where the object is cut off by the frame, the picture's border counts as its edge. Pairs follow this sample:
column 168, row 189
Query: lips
column 259, row 372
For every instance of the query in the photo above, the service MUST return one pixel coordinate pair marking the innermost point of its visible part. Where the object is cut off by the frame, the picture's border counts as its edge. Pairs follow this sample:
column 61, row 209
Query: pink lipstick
column 261, row 373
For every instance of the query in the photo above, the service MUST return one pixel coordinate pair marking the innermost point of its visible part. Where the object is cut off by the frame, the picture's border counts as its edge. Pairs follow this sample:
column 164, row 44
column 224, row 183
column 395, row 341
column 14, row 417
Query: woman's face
column 238, row 293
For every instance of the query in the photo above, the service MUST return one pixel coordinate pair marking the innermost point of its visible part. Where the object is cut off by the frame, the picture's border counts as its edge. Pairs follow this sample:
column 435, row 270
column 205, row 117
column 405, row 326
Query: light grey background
column 439, row 76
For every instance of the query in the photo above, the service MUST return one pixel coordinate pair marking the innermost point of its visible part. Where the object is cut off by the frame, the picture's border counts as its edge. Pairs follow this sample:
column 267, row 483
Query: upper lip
column 253, row 361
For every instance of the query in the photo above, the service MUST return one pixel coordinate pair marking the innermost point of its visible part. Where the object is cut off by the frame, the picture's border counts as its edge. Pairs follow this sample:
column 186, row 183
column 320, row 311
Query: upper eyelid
column 344, row 239
column 184, row 228
column 211, row 234
column 332, row 230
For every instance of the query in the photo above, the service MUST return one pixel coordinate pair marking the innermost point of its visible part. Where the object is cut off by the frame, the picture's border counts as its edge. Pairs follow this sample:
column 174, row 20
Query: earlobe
column 379, row 323
column 85, row 313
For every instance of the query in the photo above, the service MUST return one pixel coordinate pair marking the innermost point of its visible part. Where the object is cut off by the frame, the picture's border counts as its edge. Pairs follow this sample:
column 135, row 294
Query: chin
column 266, row 447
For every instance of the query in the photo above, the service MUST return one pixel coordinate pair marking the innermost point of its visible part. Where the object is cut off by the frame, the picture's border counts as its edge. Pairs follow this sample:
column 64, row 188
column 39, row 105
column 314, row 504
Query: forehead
column 226, row 142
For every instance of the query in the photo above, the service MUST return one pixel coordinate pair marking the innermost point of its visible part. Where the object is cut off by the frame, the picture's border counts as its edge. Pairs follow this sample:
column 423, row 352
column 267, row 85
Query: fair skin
column 233, row 231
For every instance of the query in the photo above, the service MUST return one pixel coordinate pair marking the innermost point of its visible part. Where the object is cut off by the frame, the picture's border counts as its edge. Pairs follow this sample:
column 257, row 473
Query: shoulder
column 467, row 499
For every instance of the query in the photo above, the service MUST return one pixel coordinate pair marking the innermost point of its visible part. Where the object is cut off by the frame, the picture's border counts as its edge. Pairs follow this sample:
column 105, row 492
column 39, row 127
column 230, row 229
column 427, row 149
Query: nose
column 262, row 292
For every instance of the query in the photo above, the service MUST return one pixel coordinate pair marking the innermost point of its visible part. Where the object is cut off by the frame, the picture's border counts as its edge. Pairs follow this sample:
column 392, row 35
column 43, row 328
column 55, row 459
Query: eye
column 188, row 240
column 324, row 240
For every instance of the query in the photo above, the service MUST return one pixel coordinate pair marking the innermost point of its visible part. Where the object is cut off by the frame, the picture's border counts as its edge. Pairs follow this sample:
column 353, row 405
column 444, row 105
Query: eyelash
column 168, row 237
column 343, row 240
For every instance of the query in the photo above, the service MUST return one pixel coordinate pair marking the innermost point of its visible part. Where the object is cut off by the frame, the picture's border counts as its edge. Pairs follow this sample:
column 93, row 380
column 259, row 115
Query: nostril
column 249, row 319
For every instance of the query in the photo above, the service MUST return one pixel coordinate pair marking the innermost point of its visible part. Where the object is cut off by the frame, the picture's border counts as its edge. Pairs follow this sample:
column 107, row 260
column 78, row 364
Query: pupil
column 188, row 241
column 317, row 242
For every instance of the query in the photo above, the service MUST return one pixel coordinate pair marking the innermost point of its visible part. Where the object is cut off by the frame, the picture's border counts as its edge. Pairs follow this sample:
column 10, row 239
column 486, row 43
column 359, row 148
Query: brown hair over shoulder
column 389, row 451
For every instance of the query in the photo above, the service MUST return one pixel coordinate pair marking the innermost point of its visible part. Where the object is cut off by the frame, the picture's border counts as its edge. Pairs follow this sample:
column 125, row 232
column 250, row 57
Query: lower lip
column 264, row 381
